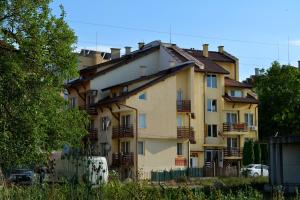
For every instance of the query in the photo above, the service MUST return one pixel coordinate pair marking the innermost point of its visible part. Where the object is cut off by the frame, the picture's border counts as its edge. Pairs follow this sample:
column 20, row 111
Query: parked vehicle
column 92, row 169
column 22, row 176
column 255, row 170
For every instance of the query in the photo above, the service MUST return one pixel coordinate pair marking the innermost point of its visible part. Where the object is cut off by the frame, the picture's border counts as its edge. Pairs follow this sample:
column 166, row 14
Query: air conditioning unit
column 253, row 128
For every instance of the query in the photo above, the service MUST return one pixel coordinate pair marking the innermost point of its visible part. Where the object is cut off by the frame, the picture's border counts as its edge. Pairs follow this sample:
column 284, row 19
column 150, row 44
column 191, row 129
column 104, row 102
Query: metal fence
column 176, row 174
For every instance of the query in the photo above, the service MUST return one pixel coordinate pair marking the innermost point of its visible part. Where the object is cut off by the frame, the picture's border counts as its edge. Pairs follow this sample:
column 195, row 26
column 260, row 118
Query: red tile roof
column 248, row 99
column 233, row 83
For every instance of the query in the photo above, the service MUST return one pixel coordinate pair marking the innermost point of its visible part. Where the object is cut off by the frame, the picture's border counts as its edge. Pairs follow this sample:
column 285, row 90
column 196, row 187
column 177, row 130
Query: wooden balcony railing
column 93, row 130
column 183, row 105
column 90, row 109
column 233, row 152
column 122, row 159
column 123, row 131
column 241, row 127
column 180, row 162
column 185, row 132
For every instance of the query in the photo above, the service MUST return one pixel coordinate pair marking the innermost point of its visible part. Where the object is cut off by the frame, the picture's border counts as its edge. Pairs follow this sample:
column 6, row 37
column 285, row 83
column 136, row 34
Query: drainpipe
column 256, row 121
column 136, row 139
column 189, row 116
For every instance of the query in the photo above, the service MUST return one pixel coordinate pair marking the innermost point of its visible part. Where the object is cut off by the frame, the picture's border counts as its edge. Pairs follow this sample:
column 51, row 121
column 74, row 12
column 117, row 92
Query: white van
column 92, row 169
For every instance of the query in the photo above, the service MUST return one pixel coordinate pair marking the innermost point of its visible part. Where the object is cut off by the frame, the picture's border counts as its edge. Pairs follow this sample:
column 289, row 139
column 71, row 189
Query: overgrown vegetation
column 118, row 191
column 36, row 57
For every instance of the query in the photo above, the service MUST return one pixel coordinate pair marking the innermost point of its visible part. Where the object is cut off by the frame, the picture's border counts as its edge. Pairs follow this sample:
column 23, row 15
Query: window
column 212, row 105
column 212, row 81
column 231, row 118
column 208, row 155
column 232, row 143
column 104, row 123
column 143, row 96
column 73, row 102
column 179, row 95
column 179, row 120
column 126, row 120
column 179, row 149
column 249, row 119
column 142, row 120
column 125, row 147
column 125, row 89
column 236, row 93
column 141, row 148
column 212, row 130
column 114, row 94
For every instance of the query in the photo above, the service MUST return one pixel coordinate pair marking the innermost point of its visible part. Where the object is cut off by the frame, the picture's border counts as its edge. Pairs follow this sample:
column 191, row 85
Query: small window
column 179, row 149
column 212, row 105
column 104, row 123
column 212, row 81
column 249, row 119
column 142, row 120
column 143, row 96
column 212, row 130
column 73, row 102
column 141, row 148
column 236, row 93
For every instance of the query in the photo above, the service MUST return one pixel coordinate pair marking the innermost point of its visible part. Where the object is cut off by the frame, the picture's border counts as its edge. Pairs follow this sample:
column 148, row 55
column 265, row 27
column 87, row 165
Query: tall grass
column 121, row 191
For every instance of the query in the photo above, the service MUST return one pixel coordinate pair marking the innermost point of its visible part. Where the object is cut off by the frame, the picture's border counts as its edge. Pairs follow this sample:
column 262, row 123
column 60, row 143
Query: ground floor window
column 179, row 149
column 141, row 148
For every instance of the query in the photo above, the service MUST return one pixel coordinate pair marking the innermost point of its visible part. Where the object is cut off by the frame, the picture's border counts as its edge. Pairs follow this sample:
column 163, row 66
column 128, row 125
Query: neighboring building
column 162, row 107
column 88, row 57
column 284, row 162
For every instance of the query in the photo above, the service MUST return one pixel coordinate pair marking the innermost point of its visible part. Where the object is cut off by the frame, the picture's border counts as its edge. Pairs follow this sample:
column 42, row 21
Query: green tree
column 279, row 100
column 248, row 153
column 36, row 56
column 257, row 153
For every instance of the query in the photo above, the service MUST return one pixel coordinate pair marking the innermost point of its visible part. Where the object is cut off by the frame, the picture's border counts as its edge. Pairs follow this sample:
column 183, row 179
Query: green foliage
column 120, row 191
column 264, row 153
column 248, row 153
column 257, row 153
column 279, row 95
column 36, row 56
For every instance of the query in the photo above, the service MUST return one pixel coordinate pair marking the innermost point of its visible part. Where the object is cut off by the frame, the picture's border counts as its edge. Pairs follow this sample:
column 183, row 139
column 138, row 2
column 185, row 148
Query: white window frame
column 141, row 149
column 212, row 81
column 210, row 105
column 211, row 132
column 247, row 119
column 142, row 117
column 230, row 117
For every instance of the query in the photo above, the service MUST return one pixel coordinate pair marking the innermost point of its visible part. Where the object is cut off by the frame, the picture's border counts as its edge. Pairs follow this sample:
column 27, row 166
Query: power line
column 175, row 33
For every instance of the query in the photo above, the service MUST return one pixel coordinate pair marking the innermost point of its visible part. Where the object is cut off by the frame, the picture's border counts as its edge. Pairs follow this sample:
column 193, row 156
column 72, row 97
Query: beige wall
column 160, row 154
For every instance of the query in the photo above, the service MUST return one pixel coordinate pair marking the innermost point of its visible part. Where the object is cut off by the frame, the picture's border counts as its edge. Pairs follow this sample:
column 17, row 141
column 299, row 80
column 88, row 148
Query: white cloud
column 295, row 43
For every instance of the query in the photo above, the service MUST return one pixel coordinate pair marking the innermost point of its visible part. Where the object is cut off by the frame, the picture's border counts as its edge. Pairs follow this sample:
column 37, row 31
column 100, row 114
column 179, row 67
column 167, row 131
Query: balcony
column 238, row 127
column 180, row 161
column 123, row 131
column 120, row 159
column 90, row 109
column 183, row 105
column 93, row 130
column 233, row 152
column 185, row 132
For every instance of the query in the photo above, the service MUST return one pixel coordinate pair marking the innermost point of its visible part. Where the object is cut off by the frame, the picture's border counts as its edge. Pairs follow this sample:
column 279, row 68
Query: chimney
column 205, row 50
column 127, row 50
column 141, row 45
column 256, row 71
column 115, row 53
column 299, row 64
column 221, row 49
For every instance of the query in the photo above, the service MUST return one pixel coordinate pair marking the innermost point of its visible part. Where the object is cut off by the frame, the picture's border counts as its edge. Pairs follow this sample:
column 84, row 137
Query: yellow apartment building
column 162, row 107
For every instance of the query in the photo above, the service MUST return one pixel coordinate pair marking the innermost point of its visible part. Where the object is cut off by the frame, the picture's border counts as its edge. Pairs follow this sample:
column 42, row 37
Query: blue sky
column 257, row 32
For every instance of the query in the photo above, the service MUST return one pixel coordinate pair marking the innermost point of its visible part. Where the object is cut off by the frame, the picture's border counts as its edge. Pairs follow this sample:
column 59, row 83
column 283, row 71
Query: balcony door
column 232, row 143
column 125, row 147
column 231, row 118
column 126, row 120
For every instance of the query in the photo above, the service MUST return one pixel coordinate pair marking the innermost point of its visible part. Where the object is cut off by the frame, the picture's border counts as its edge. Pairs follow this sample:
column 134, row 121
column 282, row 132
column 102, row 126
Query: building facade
column 162, row 107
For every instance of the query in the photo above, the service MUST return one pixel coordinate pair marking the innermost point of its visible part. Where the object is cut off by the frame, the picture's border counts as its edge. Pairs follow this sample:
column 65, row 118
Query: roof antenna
column 170, row 34
column 288, row 50
column 96, row 41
